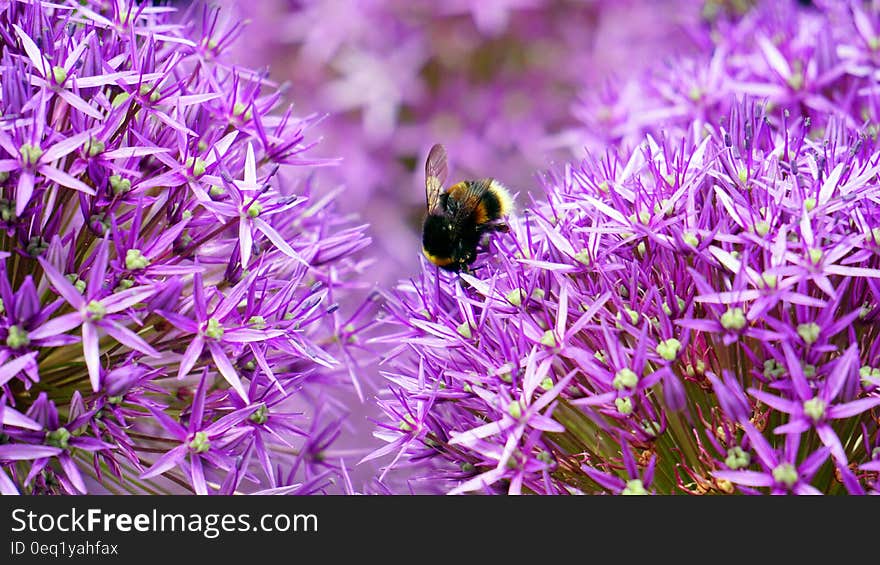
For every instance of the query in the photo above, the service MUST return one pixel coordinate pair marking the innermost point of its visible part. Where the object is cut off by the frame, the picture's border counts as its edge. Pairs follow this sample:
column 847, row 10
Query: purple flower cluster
column 814, row 62
column 692, row 309
column 170, row 278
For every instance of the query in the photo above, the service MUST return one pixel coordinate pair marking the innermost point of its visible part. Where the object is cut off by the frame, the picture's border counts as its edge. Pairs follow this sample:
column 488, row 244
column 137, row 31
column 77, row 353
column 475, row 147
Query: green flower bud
column 239, row 110
column 59, row 74
column 651, row 427
column 582, row 257
column 668, row 349
column 120, row 99
column 464, row 330
column 625, row 378
column 737, row 458
column 768, row 280
column 119, row 184
column 94, row 146
column 197, row 164
column 516, row 296
column 870, row 375
column 260, row 415
column 58, row 438
column 786, row 473
column 663, row 205
column 815, row 409
column 809, row 204
column 254, row 210
column 772, row 370
column 200, row 443
column 691, row 239
column 762, row 228
column 95, row 311
column 633, row 315
column 515, row 409
column 809, row 332
column 257, row 322
column 634, row 487
column 17, row 337
column 36, row 246
column 624, row 405
column 30, row 154
column 733, row 319
column 214, row 329
column 548, row 339
column 135, row 260
column 148, row 88
column 816, row 256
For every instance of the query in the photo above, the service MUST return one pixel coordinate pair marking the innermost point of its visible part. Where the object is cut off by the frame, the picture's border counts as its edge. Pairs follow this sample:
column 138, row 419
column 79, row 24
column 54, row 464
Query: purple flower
column 173, row 280
column 780, row 472
column 816, row 408
column 202, row 443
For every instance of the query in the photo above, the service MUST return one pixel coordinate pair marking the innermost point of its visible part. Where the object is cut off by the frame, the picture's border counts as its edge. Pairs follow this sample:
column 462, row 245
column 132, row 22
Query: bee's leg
column 493, row 227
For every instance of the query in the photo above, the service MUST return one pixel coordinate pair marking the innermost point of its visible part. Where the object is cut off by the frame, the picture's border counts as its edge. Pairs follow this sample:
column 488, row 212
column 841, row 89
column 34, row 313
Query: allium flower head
column 693, row 313
column 169, row 274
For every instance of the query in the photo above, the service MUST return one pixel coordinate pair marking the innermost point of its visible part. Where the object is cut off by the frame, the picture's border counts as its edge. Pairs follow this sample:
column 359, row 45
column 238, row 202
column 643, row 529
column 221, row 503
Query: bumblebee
column 458, row 217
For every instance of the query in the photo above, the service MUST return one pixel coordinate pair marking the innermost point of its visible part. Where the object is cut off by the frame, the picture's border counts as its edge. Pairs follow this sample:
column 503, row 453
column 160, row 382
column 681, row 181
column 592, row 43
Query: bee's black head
column 446, row 245
column 438, row 236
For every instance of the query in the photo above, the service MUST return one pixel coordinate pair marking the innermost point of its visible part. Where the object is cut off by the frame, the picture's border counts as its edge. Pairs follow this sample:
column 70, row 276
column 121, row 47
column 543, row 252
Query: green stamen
column 200, row 443
column 733, row 319
column 17, row 337
column 625, row 378
column 809, row 332
column 135, row 260
column 214, row 329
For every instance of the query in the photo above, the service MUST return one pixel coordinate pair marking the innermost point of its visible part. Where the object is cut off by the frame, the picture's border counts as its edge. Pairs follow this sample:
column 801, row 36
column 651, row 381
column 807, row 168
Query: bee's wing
column 468, row 195
column 435, row 176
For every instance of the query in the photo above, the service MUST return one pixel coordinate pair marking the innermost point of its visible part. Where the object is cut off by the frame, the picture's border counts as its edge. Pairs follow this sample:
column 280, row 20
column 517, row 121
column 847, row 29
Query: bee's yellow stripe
column 439, row 261
column 481, row 215
column 505, row 200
